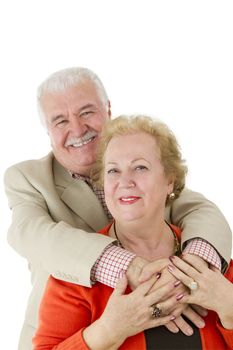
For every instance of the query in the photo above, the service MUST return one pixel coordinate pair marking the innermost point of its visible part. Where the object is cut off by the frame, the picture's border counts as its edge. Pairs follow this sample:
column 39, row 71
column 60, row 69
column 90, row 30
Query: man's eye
column 86, row 113
column 61, row 122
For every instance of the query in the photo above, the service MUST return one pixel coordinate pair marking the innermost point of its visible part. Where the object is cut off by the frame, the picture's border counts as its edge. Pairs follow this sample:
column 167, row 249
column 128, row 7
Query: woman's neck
column 148, row 241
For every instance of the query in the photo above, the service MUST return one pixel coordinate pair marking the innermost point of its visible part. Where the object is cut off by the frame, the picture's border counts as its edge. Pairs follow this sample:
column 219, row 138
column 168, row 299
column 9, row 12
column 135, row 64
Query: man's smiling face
column 74, row 120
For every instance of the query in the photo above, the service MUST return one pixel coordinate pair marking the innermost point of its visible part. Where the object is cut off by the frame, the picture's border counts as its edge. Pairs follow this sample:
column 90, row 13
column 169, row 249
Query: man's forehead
column 80, row 96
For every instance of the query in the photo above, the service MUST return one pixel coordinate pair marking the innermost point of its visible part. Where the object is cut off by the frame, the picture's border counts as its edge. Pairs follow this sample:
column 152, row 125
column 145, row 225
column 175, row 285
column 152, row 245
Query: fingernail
column 158, row 275
column 201, row 324
column 177, row 283
column 171, row 258
column 172, row 318
column 189, row 331
column 179, row 296
column 170, row 268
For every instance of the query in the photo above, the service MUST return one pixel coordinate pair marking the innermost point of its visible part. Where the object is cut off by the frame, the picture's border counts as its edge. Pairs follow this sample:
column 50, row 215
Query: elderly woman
column 141, row 168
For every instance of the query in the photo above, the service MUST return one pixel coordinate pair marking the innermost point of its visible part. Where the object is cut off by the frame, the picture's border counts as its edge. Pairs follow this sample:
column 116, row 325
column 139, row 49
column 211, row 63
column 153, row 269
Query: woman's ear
column 171, row 182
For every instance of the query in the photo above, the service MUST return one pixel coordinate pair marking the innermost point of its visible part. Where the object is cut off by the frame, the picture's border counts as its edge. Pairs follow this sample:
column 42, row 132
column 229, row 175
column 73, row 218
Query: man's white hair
column 63, row 79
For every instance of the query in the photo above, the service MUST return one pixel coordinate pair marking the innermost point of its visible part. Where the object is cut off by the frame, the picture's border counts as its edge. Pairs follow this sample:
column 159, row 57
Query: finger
column 181, row 276
column 184, row 266
column 159, row 294
column 161, row 321
column 200, row 310
column 152, row 268
column 164, row 278
column 183, row 326
column 171, row 326
column 194, row 317
column 167, row 305
column 145, row 287
column 215, row 269
column 121, row 286
column 194, row 260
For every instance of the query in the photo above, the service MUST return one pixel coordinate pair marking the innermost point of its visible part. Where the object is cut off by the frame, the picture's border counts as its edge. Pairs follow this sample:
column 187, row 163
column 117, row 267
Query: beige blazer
column 52, row 213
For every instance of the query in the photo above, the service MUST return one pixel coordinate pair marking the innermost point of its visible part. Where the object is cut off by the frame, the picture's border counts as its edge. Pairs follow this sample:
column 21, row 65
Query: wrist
column 226, row 319
column 100, row 336
column 225, row 305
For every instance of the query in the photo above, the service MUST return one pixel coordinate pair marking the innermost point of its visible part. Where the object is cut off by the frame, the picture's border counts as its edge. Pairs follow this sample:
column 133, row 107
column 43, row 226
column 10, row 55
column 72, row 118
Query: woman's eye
column 141, row 167
column 112, row 171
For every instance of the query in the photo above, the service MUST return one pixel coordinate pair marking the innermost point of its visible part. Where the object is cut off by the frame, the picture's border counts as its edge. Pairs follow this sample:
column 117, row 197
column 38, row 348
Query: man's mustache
column 76, row 141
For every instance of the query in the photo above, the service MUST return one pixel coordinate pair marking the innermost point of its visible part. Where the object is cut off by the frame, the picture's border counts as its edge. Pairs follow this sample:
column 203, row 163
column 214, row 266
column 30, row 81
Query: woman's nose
column 127, row 181
column 131, row 184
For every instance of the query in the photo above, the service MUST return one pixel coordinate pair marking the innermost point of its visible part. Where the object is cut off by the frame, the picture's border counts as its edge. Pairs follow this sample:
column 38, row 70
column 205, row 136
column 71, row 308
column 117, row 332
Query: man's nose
column 78, row 126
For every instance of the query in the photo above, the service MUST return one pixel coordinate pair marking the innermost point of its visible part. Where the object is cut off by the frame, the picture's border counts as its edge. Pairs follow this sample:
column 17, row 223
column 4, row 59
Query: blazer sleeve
column 64, row 314
column 56, row 247
column 199, row 217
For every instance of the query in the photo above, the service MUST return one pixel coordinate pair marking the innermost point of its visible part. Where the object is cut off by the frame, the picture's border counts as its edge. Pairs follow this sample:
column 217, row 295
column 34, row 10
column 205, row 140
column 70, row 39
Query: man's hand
column 134, row 271
column 140, row 270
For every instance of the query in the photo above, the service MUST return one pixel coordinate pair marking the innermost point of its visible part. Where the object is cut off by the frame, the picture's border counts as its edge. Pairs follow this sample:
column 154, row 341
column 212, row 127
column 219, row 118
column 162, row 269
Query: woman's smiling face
column 134, row 181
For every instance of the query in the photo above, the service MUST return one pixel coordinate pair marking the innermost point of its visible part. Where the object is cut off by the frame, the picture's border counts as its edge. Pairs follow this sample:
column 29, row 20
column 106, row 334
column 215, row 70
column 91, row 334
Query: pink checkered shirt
column 115, row 260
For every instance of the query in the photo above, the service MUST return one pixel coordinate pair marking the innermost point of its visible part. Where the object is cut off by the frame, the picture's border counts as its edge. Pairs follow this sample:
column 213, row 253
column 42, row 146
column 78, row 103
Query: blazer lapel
column 80, row 198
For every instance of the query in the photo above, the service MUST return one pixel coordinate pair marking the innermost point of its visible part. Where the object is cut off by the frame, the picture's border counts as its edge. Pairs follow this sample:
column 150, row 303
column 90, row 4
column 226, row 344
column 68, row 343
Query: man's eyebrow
column 88, row 105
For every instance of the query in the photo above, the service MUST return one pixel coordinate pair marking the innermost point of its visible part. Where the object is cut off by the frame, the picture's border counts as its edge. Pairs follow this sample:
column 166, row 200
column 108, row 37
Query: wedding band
column 193, row 285
column 156, row 312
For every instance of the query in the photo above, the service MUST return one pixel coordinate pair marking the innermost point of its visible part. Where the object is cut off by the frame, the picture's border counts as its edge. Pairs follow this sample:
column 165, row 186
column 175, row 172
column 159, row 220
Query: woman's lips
column 129, row 199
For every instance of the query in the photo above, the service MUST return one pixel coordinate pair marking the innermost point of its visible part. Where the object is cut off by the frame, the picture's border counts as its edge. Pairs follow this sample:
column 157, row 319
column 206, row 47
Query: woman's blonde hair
column 170, row 155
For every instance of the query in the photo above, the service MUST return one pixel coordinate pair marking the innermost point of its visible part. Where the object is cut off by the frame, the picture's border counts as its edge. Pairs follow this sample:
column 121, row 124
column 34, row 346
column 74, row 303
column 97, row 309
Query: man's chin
column 82, row 168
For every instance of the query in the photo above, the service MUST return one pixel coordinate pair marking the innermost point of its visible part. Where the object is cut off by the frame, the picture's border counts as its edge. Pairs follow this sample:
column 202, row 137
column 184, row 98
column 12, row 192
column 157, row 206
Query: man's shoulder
column 33, row 164
column 34, row 170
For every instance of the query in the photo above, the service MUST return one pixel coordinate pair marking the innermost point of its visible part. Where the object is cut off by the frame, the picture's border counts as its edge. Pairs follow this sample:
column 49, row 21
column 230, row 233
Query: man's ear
column 109, row 109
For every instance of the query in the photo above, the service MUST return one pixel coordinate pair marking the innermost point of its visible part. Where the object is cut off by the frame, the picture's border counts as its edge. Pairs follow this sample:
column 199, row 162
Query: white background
column 170, row 59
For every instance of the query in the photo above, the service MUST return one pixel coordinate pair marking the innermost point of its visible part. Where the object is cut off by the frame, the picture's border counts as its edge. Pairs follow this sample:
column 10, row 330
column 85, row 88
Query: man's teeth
column 80, row 144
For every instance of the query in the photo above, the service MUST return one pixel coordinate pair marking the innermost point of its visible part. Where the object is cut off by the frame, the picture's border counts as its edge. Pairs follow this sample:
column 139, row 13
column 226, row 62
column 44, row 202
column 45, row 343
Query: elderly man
column 56, row 207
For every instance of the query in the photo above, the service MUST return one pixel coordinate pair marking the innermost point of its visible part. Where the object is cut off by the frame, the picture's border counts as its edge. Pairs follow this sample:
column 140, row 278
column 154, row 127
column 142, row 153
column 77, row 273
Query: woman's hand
column 170, row 303
column 130, row 314
column 213, row 291
column 126, row 315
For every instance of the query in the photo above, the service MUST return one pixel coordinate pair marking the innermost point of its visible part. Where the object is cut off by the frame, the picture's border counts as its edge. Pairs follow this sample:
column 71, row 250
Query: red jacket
column 67, row 309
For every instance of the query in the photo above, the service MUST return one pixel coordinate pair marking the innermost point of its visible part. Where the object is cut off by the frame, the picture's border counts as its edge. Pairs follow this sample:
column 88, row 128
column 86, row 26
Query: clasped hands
column 141, row 271
column 154, row 288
